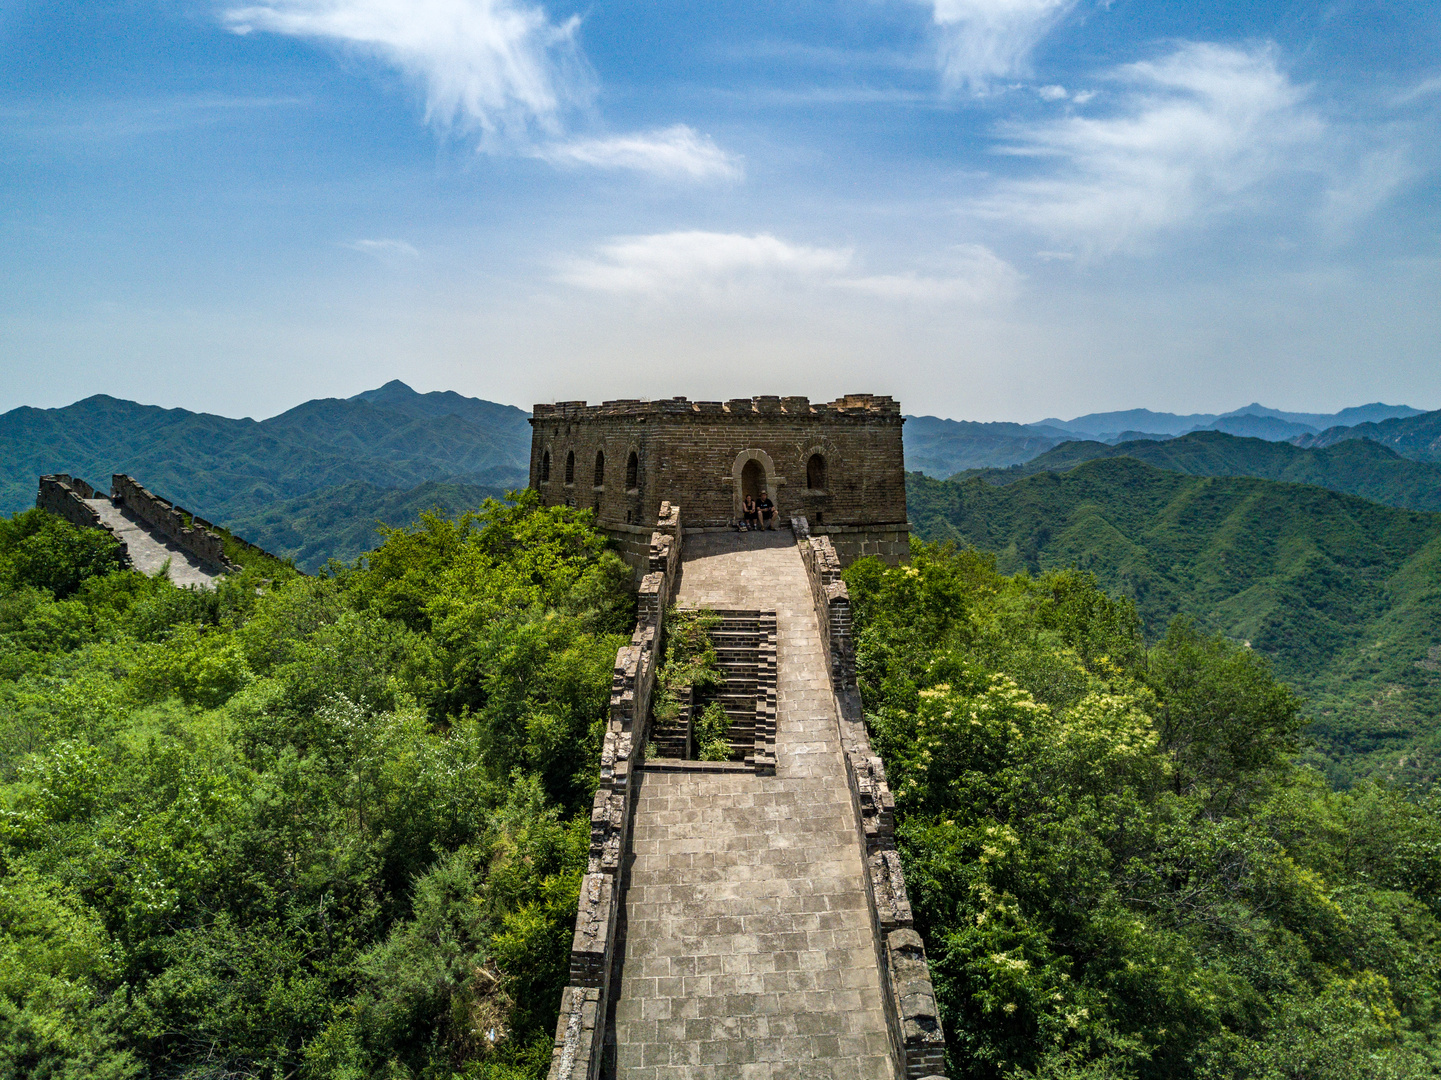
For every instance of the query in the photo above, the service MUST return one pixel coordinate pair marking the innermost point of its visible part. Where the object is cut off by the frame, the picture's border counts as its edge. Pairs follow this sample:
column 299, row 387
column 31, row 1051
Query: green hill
column 227, row 469
column 1344, row 595
column 341, row 522
column 1355, row 466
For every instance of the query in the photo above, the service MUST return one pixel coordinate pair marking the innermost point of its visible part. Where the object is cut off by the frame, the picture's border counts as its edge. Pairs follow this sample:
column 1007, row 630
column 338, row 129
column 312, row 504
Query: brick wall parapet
column 580, row 1029
column 192, row 534
column 848, row 405
column 64, row 495
column 911, row 1014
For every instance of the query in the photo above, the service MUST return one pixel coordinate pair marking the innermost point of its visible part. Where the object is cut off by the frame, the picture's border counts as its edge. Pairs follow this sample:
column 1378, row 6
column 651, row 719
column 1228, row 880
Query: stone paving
column 748, row 944
column 149, row 549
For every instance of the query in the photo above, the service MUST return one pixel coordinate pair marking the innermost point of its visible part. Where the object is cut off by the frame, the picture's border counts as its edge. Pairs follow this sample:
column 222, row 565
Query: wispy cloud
column 1424, row 89
column 499, row 67
column 1193, row 133
column 677, row 152
column 711, row 264
column 699, row 261
column 974, row 274
column 384, row 249
column 984, row 40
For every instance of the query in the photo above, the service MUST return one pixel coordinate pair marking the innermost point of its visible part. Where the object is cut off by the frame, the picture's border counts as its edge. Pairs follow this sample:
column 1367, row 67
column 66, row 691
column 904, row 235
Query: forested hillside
column 226, row 469
column 1342, row 594
column 335, row 826
column 1354, row 466
column 344, row 522
column 316, row 827
column 1118, row 869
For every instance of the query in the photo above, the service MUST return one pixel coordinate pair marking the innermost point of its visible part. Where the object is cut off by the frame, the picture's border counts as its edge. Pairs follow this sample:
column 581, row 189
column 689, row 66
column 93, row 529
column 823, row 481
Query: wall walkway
column 748, row 947
column 148, row 547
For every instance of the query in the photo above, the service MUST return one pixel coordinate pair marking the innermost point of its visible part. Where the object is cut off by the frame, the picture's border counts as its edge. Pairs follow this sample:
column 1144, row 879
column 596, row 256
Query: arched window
column 545, row 468
column 632, row 472
column 570, row 467
column 816, row 473
column 599, row 468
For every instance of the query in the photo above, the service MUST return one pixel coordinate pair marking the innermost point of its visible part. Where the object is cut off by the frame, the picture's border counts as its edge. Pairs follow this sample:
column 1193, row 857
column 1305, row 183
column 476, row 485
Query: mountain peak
column 390, row 391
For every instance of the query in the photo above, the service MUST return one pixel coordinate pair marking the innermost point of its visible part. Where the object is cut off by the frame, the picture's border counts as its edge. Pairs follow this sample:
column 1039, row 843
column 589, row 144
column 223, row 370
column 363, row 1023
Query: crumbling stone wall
column 911, row 1012
column 580, row 1030
column 840, row 465
column 65, row 496
column 190, row 532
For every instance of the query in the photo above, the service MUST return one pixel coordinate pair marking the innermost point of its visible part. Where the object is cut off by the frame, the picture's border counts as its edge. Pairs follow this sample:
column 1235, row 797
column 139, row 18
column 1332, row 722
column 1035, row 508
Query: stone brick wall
column 580, row 1030
column 190, row 532
column 840, row 465
column 911, row 1013
column 65, row 496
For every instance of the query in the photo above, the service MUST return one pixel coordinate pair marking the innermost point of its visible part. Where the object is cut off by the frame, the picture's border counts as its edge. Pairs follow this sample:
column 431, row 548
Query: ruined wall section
column 189, row 532
column 65, row 495
column 841, row 465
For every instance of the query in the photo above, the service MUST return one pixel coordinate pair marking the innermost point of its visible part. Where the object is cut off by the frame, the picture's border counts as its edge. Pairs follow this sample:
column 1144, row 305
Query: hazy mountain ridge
column 1354, row 466
column 227, row 469
column 1339, row 591
column 1417, row 437
column 941, row 448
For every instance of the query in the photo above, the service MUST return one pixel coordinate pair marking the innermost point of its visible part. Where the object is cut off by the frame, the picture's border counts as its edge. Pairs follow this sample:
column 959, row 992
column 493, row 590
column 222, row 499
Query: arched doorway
column 754, row 472
column 753, row 479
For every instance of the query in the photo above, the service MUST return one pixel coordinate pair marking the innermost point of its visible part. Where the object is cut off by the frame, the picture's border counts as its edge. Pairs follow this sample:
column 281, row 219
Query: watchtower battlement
column 839, row 464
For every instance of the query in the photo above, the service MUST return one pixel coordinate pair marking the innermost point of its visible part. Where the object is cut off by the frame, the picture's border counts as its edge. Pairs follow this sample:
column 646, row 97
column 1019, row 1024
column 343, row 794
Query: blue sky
column 992, row 209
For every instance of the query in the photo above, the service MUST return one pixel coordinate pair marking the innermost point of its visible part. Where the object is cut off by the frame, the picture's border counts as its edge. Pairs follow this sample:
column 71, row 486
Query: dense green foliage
column 1343, row 595
column 1119, row 869
column 329, row 826
column 226, row 469
column 1353, row 466
column 340, row 522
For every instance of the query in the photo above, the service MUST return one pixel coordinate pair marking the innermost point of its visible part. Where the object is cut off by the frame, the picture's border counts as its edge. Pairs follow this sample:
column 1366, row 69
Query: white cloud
column 676, row 151
column 723, row 264
column 699, row 261
column 1052, row 93
column 975, row 275
column 384, row 249
column 1197, row 132
column 499, row 67
column 982, row 40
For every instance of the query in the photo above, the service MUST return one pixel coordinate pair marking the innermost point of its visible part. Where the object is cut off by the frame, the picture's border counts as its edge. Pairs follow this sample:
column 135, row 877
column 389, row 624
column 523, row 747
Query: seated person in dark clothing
column 767, row 511
column 750, row 514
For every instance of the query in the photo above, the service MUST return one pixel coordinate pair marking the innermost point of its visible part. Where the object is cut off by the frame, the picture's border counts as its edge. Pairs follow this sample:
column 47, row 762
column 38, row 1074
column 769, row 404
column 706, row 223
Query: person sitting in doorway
column 750, row 514
column 767, row 511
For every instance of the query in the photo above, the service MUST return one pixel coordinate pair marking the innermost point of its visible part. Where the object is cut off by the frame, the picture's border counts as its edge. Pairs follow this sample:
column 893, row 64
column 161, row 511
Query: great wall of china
column 742, row 918
column 152, row 532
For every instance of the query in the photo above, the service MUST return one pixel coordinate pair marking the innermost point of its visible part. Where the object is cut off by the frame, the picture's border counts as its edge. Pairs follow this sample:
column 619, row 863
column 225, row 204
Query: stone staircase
column 745, row 645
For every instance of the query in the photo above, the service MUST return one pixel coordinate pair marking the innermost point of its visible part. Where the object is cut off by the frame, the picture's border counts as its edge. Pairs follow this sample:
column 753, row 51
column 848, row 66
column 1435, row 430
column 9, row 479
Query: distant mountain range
column 1353, row 466
column 1338, row 591
column 942, row 448
column 228, row 470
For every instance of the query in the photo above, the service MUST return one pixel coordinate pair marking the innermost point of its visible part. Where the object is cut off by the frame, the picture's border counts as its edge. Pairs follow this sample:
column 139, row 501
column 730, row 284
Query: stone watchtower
column 840, row 465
